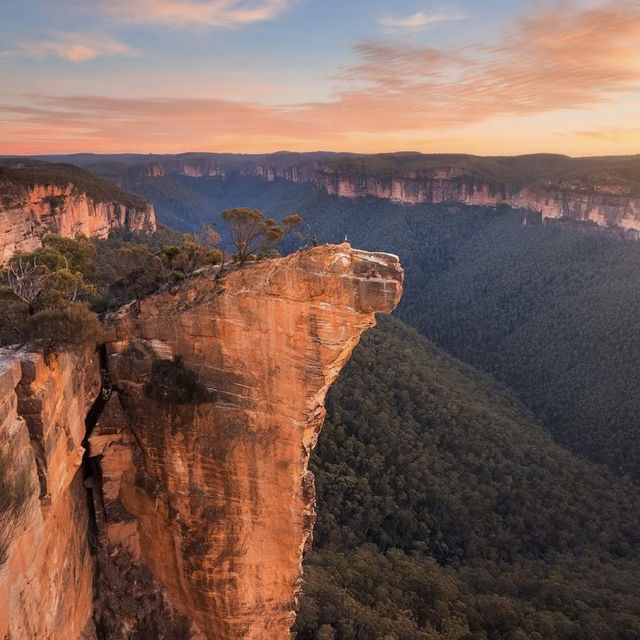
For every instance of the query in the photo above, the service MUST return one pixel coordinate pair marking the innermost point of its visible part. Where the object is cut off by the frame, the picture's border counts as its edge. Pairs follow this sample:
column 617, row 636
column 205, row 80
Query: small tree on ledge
column 293, row 222
column 251, row 233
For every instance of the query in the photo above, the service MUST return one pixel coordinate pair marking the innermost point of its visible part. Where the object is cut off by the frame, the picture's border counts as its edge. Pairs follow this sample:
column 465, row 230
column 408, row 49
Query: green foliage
column 13, row 317
column 445, row 511
column 76, row 254
column 250, row 232
column 126, row 272
column 67, row 328
column 15, row 492
column 190, row 256
column 43, row 287
column 293, row 223
column 172, row 382
column 132, row 266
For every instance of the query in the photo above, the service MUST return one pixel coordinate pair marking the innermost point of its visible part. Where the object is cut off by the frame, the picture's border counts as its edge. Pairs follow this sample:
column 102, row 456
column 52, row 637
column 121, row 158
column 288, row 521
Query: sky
column 495, row 77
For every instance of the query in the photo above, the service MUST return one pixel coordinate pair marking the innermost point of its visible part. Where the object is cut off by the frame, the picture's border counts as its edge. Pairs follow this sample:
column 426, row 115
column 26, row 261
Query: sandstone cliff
column 28, row 211
column 575, row 201
column 605, row 191
column 203, row 505
column 46, row 585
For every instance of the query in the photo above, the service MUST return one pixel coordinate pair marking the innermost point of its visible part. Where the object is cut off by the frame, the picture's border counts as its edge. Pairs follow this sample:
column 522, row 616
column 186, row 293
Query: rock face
column 201, row 504
column 27, row 214
column 203, row 448
column 442, row 186
column 607, row 198
column 46, row 584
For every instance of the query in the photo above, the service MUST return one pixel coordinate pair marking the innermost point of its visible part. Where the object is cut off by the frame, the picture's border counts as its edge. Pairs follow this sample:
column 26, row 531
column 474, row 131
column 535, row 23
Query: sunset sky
column 491, row 77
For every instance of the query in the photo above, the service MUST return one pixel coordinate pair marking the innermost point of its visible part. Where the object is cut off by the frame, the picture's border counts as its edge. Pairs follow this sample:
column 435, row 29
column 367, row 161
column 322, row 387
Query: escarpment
column 34, row 205
column 46, row 579
column 203, row 505
column 552, row 200
column 604, row 191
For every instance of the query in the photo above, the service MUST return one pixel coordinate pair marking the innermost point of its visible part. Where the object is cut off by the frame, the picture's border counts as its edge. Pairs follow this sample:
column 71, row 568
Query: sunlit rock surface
column 218, row 400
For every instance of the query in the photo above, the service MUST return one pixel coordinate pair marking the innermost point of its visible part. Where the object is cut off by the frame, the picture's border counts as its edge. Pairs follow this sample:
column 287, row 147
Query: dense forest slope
column 445, row 511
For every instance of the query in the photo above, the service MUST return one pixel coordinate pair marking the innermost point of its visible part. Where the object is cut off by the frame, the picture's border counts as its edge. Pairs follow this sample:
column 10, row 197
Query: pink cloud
column 420, row 20
column 211, row 13
column 75, row 47
column 555, row 58
column 560, row 57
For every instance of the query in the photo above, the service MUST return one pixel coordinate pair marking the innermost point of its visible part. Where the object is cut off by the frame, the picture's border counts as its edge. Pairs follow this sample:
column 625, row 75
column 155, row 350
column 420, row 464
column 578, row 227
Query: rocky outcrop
column 218, row 399
column 201, row 506
column 46, row 583
column 27, row 214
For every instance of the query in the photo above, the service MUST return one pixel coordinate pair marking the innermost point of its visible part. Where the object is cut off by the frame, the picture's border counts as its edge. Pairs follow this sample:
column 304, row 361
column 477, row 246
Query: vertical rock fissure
column 91, row 475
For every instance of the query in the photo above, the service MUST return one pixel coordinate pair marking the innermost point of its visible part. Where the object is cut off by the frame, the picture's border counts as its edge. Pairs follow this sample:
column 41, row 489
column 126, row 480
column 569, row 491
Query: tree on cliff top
column 251, row 233
column 41, row 295
column 292, row 224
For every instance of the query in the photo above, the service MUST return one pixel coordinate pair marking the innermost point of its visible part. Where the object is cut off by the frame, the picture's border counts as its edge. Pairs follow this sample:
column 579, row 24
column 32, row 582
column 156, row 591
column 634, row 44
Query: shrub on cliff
column 41, row 295
column 173, row 383
column 15, row 491
column 56, row 274
column 65, row 329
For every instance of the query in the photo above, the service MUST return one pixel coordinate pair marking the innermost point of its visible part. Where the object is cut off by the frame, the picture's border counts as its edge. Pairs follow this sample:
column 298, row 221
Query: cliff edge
column 221, row 388
column 202, row 506
column 41, row 199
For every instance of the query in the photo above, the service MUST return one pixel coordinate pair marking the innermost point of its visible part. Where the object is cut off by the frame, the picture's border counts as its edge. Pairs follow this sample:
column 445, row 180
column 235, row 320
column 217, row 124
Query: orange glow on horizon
column 561, row 79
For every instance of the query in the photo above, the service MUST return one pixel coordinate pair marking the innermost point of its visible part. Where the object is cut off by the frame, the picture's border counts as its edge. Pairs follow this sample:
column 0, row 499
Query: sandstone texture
column 28, row 214
column 189, row 516
column 217, row 402
column 46, row 583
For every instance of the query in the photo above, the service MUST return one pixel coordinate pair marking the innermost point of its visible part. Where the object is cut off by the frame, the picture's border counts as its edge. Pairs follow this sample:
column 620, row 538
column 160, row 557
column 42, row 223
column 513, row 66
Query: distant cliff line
column 37, row 199
column 601, row 190
column 605, row 191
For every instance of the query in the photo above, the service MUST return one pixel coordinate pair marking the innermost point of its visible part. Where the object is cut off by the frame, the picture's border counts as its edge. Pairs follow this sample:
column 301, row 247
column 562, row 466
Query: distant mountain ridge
column 602, row 190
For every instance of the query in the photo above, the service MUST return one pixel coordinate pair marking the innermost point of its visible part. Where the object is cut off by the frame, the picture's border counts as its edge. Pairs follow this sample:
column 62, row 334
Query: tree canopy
column 251, row 232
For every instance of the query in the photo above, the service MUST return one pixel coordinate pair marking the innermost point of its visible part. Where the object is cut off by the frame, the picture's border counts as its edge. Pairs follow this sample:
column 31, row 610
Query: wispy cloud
column 421, row 19
column 611, row 134
column 75, row 47
column 551, row 59
column 210, row 13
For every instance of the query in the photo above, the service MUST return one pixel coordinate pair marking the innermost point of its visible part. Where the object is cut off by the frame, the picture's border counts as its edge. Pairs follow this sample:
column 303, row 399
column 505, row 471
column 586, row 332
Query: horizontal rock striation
column 605, row 199
column 443, row 186
column 27, row 214
column 218, row 399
